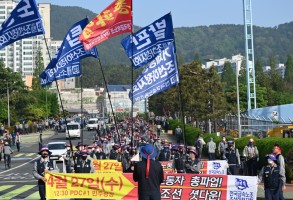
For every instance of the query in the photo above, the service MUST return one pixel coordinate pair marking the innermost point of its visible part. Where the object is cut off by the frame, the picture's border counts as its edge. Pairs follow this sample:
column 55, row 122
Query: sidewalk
column 288, row 194
column 34, row 137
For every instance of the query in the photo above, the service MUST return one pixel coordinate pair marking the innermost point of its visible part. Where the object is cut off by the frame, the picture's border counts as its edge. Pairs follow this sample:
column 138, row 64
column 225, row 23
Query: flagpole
column 107, row 90
column 180, row 96
column 132, row 76
column 61, row 104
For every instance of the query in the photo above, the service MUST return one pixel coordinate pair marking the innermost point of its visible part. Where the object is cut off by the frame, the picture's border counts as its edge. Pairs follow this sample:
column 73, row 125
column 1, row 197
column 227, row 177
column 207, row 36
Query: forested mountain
column 209, row 42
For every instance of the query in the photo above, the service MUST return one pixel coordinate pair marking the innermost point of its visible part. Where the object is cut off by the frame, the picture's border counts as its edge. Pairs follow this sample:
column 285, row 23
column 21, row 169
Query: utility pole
column 8, row 109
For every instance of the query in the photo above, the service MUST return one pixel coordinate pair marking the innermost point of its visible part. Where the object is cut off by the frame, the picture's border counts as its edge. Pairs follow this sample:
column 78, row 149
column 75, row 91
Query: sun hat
column 148, row 152
column 44, row 148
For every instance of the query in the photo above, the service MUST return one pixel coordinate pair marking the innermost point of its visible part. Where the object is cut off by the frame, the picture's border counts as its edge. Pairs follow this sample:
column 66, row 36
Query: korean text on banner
column 159, row 75
column 107, row 166
column 143, row 46
column 175, row 186
column 24, row 21
column 214, row 167
column 114, row 20
column 66, row 62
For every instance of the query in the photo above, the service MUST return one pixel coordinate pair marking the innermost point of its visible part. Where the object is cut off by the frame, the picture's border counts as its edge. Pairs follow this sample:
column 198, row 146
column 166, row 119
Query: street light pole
column 238, row 103
column 8, row 109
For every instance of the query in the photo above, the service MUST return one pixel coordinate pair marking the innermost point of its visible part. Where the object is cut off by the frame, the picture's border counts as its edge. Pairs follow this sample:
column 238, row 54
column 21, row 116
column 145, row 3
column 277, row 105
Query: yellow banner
column 107, row 166
column 98, row 186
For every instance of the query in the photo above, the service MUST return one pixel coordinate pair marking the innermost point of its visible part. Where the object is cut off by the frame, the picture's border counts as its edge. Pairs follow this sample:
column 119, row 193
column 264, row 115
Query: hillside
column 210, row 42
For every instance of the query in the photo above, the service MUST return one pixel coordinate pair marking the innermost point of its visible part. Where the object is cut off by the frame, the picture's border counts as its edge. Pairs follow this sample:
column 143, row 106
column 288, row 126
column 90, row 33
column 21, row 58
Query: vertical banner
column 114, row 20
column 143, row 46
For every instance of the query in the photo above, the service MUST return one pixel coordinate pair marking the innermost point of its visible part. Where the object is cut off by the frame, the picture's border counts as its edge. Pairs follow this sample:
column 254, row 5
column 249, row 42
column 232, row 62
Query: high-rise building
column 20, row 56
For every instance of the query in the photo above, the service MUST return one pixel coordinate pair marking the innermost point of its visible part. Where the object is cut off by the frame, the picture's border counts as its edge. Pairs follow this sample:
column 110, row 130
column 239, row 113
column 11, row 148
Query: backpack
column 285, row 159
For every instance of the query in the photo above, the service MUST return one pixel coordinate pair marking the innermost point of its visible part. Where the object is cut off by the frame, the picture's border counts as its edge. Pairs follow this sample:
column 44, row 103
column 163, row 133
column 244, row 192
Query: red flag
column 114, row 20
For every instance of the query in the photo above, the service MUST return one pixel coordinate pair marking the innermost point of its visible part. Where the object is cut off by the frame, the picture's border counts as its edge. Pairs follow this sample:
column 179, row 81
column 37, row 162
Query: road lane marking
column 34, row 195
column 5, row 187
column 19, row 165
column 16, row 192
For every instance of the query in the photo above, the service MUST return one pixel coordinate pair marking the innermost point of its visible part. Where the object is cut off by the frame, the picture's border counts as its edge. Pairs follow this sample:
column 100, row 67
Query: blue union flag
column 24, row 21
column 147, row 43
column 66, row 62
column 159, row 75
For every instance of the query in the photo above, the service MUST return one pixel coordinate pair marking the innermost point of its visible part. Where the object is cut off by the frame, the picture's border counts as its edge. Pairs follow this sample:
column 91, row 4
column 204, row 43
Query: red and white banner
column 175, row 186
column 114, row 20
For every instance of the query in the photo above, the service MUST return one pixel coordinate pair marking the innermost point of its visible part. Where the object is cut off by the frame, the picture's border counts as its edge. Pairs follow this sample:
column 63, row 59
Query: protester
column 250, row 151
column 222, row 146
column 165, row 154
column 84, row 165
column 149, row 174
column 211, row 146
column 231, row 154
column 40, row 141
column 179, row 160
column 281, row 162
column 178, row 134
column 42, row 166
column 199, row 143
column 7, row 155
column 192, row 164
column 17, row 141
column 272, row 178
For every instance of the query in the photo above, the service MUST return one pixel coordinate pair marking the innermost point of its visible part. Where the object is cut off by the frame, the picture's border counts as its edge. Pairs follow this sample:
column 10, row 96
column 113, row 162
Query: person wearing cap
column 158, row 146
column 179, row 160
column 115, row 152
column 99, row 154
column 178, row 134
column 17, row 141
column 149, row 174
column 41, row 166
column 211, row 146
column 84, row 164
column 271, row 177
column 250, row 152
column 231, row 154
column 165, row 154
column 192, row 165
column 277, row 150
column 79, row 148
column 7, row 151
column 199, row 143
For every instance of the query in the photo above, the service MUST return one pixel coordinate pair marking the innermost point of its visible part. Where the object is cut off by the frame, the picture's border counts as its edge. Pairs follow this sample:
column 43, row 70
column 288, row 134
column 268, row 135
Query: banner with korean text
column 66, row 62
column 206, row 167
column 107, row 166
column 114, row 20
column 158, row 76
column 175, row 186
column 24, row 21
column 143, row 46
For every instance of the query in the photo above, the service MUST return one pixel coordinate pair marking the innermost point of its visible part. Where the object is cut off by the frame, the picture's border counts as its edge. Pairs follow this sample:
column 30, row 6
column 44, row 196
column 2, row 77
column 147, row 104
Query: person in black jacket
column 270, row 174
column 41, row 166
column 149, row 174
column 84, row 165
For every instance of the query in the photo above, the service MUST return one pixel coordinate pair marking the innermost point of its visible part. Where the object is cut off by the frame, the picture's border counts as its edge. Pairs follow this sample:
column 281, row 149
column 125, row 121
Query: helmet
column 192, row 150
column 230, row 142
column 251, row 140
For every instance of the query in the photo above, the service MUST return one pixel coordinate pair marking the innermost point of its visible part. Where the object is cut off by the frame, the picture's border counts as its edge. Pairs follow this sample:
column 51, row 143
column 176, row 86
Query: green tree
column 36, row 82
column 228, row 76
column 289, row 70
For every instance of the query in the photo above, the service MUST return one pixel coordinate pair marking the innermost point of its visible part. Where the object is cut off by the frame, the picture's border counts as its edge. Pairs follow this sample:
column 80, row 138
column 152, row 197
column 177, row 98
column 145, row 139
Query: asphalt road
column 18, row 182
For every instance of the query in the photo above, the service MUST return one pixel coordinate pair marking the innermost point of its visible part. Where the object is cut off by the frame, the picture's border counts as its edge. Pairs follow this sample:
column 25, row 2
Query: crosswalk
column 18, row 155
column 17, row 192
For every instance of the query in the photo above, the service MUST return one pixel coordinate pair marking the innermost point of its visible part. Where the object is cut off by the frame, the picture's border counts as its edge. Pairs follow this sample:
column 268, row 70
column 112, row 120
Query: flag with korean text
column 144, row 45
column 24, row 21
column 159, row 75
column 114, row 20
column 66, row 62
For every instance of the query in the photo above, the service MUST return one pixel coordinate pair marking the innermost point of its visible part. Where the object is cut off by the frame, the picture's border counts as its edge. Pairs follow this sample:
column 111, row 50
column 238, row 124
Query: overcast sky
column 189, row 13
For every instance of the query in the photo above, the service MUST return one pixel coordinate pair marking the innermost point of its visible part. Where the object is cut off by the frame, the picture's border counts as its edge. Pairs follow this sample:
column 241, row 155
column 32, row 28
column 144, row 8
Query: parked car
column 58, row 149
column 92, row 124
column 73, row 130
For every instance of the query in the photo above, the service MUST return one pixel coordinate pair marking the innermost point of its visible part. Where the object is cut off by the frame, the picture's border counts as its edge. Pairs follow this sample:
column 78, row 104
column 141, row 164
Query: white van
column 92, row 124
column 73, row 129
